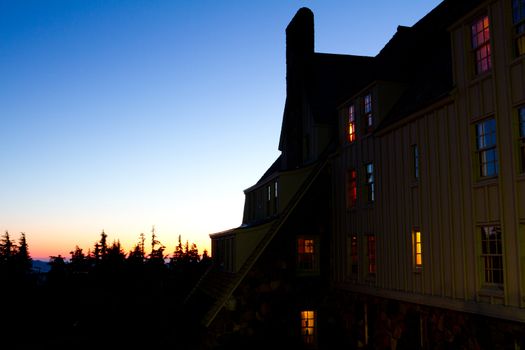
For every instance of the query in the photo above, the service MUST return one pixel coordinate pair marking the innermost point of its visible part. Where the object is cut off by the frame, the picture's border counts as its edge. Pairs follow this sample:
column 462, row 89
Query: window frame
column 368, row 113
column 518, row 23
column 354, row 256
column 521, row 135
column 308, row 327
column 351, row 188
column 415, row 162
column 351, row 125
column 371, row 254
column 491, row 256
column 417, row 249
column 480, row 39
column 370, row 182
column 307, row 254
column 487, row 153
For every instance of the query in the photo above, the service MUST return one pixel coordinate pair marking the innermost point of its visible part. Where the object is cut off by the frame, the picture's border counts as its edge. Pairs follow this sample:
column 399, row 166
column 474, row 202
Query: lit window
column 481, row 44
column 351, row 188
column 415, row 162
column 417, row 249
column 486, row 147
column 354, row 257
column 518, row 19
column 371, row 253
column 368, row 116
column 492, row 254
column 306, row 254
column 521, row 116
column 351, row 124
column 369, row 182
column 308, row 326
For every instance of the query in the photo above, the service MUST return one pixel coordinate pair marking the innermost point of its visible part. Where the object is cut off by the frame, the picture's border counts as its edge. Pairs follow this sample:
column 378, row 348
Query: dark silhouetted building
column 395, row 216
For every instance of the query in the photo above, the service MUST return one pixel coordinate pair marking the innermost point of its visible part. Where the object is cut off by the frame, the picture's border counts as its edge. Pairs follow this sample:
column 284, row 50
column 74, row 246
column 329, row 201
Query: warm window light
column 306, row 254
column 417, row 248
column 481, row 44
column 351, row 124
column 351, row 188
column 308, row 326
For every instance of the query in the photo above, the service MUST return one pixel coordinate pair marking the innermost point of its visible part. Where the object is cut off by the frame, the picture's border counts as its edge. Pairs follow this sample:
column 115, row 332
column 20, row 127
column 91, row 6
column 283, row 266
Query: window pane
column 521, row 113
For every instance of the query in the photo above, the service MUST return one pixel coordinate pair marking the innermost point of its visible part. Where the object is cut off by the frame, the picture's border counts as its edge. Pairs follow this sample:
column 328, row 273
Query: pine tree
column 23, row 260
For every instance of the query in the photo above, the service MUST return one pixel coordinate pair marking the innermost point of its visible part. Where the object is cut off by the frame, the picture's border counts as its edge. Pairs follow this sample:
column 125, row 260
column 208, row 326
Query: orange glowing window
column 308, row 326
column 306, row 254
column 351, row 188
column 481, row 44
column 351, row 124
column 417, row 248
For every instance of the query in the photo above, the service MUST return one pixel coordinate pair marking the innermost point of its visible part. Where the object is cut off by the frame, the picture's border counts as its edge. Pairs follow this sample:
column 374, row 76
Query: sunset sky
column 120, row 115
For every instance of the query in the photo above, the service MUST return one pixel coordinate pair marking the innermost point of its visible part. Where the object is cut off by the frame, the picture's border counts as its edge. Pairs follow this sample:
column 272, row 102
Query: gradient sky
column 120, row 115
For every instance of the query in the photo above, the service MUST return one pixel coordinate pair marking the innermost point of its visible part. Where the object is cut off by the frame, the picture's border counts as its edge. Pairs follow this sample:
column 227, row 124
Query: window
column 492, row 254
column 268, row 200
column 481, row 44
column 518, row 19
column 415, row 162
column 371, row 253
column 308, row 327
column 369, row 182
column 486, row 147
column 521, row 118
column 306, row 254
column 351, row 124
column 276, row 196
column 354, row 257
column 351, row 188
column 417, row 249
column 368, row 116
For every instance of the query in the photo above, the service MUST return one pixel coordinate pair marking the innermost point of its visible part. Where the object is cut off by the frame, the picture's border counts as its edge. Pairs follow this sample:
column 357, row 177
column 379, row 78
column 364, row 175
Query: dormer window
column 368, row 117
column 518, row 19
column 351, row 124
column 481, row 44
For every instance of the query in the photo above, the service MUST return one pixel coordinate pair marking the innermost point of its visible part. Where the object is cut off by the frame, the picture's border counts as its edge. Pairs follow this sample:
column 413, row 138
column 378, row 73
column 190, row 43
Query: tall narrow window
column 351, row 124
column 369, row 182
column 308, row 327
column 415, row 163
column 354, row 257
column 518, row 19
column 521, row 118
column 351, row 188
column 368, row 115
column 481, row 44
column 268, row 200
column 306, row 254
column 486, row 147
column 492, row 254
column 276, row 196
column 371, row 253
column 417, row 249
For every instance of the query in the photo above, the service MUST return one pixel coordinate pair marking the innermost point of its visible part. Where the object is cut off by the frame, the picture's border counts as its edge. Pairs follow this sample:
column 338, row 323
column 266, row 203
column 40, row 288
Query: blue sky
column 120, row 115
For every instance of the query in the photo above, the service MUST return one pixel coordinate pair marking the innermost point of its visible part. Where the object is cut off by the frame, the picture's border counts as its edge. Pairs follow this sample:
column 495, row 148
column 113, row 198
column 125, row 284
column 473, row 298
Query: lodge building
column 395, row 216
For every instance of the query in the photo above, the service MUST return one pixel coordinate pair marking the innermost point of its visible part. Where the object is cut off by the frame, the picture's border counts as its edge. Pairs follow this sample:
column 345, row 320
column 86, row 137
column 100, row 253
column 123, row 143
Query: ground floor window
column 308, row 326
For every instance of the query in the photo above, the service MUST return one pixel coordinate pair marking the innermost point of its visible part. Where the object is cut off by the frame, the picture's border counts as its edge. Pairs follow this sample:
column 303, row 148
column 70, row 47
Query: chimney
column 299, row 44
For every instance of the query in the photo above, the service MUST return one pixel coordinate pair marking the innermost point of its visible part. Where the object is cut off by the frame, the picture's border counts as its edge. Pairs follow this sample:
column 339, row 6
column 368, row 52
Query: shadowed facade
column 395, row 216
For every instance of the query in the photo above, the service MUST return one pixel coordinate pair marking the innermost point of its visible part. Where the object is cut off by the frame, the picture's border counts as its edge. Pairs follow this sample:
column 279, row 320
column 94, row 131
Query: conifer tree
column 22, row 257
